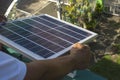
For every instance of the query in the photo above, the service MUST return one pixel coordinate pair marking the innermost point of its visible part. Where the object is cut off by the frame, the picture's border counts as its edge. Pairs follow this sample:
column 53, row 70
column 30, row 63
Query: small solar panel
column 43, row 36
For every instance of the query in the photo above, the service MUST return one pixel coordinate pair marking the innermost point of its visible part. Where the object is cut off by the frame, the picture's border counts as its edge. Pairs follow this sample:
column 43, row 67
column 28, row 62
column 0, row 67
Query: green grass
column 108, row 67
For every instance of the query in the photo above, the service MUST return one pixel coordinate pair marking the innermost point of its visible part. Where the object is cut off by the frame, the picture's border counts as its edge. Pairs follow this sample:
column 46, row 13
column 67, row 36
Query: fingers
column 77, row 45
column 82, row 55
column 80, row 46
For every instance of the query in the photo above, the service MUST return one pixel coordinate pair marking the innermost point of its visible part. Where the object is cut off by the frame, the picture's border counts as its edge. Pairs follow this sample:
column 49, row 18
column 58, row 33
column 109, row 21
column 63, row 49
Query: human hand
column 81, row 54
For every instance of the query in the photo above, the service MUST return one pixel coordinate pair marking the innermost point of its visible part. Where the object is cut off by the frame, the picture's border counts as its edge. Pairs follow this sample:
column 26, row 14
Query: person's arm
column 54, row 69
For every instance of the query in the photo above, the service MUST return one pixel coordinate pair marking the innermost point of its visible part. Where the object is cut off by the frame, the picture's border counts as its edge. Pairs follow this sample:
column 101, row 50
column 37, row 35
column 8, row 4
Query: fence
column 112, row 7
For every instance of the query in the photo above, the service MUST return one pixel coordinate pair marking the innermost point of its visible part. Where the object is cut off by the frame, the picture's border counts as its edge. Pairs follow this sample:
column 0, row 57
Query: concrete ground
column 36, row 7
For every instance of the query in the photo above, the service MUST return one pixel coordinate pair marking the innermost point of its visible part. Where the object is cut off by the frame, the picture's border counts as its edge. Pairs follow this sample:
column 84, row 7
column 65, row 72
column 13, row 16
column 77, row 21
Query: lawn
column 108, row 67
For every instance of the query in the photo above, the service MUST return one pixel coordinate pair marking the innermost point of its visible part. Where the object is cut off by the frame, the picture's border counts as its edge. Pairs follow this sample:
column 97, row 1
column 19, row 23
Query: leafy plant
column 12, row 14
column 82, row 12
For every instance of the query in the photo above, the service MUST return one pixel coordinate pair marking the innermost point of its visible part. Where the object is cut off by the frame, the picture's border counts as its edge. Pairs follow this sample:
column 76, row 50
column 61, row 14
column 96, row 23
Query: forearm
column 50, row 69
column 59, row 68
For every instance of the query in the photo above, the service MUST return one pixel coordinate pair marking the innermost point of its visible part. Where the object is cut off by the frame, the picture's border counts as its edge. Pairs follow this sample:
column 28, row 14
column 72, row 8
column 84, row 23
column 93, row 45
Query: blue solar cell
column 23, row 25
column 65, row 25
column 54, row 39
column 22, row 41
column 36, row 39
column 37, row 49
column 71, row 33
column 52, row 20
column 10, row 34
column 43, row 42
column 77, row 30
column 41, row 51
column 18, row 29
column 45, row 53
column 36, row 24
column 9, row 25
column 29, row 45
column 45, row 22
column 64, row 36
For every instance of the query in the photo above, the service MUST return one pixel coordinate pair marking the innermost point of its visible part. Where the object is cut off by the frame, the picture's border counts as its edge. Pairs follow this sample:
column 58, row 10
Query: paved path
column 32, row 6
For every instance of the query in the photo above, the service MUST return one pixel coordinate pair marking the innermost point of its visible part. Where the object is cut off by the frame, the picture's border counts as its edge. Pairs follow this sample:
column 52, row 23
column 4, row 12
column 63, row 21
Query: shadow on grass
column 107, row 68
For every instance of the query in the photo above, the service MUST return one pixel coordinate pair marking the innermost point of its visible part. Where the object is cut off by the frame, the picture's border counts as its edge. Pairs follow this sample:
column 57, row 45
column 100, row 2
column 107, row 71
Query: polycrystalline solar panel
column 42, row 37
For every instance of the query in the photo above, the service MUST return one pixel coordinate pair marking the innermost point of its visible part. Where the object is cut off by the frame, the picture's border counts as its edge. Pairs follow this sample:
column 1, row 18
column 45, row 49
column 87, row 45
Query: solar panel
column 43, row 36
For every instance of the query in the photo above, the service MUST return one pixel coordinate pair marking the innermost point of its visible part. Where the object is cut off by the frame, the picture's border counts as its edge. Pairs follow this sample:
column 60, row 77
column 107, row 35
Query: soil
column 108, row 36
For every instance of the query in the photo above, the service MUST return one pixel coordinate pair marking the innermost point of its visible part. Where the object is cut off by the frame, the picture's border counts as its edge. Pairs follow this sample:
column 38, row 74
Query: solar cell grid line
column 44, row 22
column 70, row 32
column 11, row 26
column 29, row 45
column 55, row 39
column 70, row 39
column 59, row 32
column 37, row 34
column 45, row 53
column 66, row 30
column 50, row 46
column 52, row 20
column 51, row 25
column 52, row 37
column 10, row 35
column 23, row 41
column 29, row 40
column 77, row 30
column 41, row 52
column 29, row 54
column 43, row 43
column 37, row 48
column 21, row 24
column 17, row 30
column 36, row 24
column 66, row 25
column 45, row 29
